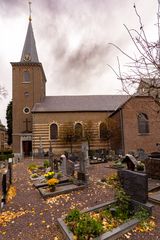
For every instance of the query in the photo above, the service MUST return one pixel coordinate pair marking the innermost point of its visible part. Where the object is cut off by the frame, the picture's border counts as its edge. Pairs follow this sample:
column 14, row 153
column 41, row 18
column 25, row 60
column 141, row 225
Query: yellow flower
column 52, row 181
column 49, row 175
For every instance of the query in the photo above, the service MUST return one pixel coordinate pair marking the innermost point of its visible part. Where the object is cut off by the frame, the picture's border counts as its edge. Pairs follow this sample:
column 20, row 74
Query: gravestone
column 135, row 184
column 141, row 154
column 70, row 168
column 64, row 164
column 130, row 161
column 84, row 149
column 55, row 161
column 81, row 174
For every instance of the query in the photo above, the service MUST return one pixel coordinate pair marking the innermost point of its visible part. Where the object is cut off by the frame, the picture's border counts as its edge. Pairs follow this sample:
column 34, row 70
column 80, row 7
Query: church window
column 143, row 123
column 103, row 130
column 26, row 110
column 53, row 131
column 26, row 94
column 26, row 76
column 78, row 130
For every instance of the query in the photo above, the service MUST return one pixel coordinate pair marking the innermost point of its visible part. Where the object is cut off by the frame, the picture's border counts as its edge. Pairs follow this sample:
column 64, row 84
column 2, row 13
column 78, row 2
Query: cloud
column 72, row 39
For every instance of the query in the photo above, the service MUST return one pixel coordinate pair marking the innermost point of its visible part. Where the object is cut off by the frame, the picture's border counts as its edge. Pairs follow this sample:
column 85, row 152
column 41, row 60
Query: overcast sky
column 72, row 39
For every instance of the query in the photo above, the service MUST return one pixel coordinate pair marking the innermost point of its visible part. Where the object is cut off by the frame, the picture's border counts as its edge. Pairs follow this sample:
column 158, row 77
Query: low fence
column 5, row 181
column 152, row 166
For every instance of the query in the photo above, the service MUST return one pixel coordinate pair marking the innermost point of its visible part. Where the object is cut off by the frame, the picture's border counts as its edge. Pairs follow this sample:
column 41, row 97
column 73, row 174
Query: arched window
column 143, row 123
column 26, row 76
column 78, row 130
column 103, row 130
column 53, row 131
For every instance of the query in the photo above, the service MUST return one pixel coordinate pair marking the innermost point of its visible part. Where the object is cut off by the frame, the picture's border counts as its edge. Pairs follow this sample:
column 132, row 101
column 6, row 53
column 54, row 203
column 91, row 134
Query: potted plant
column 52, row 183
column 140, row 166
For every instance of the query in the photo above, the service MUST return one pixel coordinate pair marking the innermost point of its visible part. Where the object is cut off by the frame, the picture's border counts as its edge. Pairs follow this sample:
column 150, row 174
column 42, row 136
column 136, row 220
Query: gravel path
column 37, row 218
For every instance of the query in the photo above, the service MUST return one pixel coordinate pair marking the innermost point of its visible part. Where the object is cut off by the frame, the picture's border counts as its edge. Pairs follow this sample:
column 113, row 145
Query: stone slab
column 154, row 197
column 60, row 189
column 153, row 184
column 39, row 184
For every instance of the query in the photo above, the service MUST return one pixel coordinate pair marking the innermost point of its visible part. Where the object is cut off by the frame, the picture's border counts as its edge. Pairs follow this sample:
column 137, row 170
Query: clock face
column 27, row 57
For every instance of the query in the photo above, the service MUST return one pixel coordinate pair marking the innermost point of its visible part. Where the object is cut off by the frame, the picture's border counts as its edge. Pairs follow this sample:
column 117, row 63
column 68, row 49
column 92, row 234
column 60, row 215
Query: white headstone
column 64, row 164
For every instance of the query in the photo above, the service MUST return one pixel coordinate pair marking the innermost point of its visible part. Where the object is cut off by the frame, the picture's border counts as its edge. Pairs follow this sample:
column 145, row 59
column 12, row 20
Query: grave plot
column 111, row 219
column 68, row 182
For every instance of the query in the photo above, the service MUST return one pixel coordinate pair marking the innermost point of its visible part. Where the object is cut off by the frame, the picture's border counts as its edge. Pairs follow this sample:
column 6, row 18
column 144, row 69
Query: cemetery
column 85, row 190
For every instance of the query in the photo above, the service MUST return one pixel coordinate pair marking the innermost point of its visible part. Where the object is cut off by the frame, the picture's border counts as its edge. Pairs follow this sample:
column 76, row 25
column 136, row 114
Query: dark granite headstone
column 135, row 184
column 70, row 168
column 55, row 161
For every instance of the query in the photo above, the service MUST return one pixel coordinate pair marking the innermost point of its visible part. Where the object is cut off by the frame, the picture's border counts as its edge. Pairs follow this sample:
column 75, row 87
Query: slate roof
column 30, row 46
column 97, row 103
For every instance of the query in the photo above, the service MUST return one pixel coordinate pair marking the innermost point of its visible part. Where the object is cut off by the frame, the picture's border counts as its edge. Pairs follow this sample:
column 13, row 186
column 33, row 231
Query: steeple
column 29, row 53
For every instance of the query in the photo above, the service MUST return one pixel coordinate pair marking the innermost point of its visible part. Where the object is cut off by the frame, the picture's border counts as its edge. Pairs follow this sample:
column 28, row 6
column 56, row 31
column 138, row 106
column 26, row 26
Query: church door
column 27, row 148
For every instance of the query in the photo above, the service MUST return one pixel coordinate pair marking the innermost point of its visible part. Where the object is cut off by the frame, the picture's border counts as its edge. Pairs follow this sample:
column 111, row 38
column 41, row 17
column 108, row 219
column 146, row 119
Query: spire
column 29, row 53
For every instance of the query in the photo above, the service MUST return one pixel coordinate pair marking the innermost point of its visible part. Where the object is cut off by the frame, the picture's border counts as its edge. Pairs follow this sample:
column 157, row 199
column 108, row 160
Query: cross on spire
column 30, row 11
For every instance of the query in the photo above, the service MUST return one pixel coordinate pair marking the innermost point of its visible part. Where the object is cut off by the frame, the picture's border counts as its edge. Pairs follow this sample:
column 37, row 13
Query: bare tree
column 69, row 135
column 3, row 92
column 143, row 69
column 88, row 133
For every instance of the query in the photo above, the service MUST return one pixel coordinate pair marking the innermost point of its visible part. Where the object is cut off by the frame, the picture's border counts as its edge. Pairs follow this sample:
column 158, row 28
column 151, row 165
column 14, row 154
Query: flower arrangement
column 140, row 166
column 49, row 175
column 52, row 182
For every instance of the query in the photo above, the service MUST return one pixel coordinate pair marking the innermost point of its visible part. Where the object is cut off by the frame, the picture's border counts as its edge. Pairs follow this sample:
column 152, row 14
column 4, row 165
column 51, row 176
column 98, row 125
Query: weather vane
column 30, row 10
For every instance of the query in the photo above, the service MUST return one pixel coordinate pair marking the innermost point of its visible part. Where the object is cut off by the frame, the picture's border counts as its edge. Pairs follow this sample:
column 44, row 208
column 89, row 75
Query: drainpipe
column 122, row 132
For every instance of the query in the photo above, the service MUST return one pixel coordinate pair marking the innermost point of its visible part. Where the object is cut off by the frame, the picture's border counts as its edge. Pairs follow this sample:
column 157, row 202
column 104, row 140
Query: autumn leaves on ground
column 28, row 216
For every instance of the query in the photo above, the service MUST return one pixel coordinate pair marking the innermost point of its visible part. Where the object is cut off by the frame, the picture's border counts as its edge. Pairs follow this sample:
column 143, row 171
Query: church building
column 64, row 122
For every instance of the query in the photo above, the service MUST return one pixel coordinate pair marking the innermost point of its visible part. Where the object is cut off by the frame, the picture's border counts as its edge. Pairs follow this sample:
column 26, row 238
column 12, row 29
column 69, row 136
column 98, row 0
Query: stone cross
column 85, row 153
column 27, row 122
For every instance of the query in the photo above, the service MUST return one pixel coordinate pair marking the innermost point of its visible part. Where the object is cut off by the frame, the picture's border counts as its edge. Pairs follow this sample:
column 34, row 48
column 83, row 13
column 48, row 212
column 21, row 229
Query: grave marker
column 135, row 184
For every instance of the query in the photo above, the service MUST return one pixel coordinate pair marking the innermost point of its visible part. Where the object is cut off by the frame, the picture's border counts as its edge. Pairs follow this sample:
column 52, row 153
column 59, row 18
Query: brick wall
column 133, row 140
column 41, row 126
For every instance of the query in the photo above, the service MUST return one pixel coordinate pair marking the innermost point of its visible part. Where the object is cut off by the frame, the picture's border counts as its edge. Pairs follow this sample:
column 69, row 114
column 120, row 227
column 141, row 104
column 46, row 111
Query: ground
column 31, row 217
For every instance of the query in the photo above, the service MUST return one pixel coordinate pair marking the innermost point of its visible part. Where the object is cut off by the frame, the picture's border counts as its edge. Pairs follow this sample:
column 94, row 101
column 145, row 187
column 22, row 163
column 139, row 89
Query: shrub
column 46, row 163
column 32, row 167
column 73, row 215
column 6, row 156
column 83, row 225
column 34, row 175
column 88, row 226
column 59, row 175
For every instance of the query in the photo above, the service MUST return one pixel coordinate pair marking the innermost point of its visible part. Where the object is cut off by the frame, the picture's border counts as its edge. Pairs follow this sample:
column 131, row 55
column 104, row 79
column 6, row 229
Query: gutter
column 122, row 131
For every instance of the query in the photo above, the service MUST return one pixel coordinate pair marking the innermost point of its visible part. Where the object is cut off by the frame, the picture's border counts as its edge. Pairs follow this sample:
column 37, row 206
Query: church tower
column 28, row 88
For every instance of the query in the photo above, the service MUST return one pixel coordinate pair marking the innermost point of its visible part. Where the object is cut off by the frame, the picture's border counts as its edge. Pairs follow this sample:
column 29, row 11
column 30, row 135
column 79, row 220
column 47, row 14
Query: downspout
column 122, row 132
